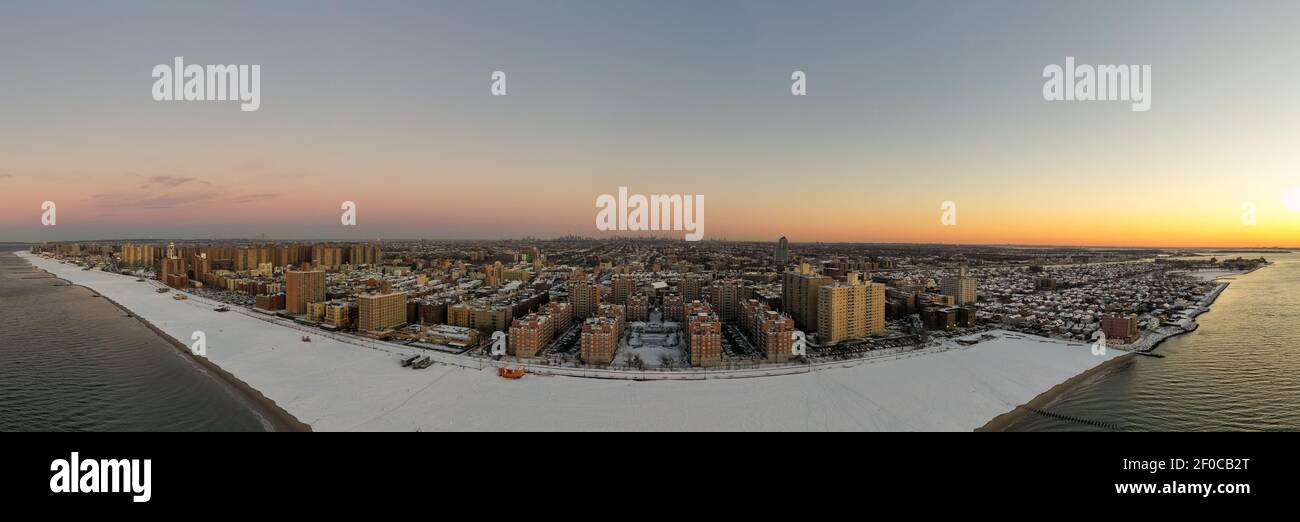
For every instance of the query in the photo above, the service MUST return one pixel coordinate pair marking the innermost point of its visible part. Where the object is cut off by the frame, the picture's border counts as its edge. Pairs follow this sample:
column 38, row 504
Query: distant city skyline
column 909, row 105
column 525, row 239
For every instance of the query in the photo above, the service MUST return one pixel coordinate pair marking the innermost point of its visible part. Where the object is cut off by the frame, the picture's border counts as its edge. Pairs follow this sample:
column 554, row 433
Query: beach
column 1149, row 342
column 332, row 385
column 272, row 415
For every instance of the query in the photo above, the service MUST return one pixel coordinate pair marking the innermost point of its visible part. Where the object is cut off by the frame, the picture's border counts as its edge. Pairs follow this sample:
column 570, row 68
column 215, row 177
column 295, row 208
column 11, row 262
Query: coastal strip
column 334, row 384
column 1149, row 343
column 273, row 416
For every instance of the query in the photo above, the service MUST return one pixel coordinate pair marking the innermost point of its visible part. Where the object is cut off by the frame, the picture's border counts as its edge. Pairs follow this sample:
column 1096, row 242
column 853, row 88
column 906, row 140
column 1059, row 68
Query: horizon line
column 672, row 239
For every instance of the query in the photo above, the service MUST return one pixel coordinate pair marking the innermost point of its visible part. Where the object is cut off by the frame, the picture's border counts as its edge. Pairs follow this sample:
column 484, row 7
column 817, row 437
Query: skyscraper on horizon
column 782, row 254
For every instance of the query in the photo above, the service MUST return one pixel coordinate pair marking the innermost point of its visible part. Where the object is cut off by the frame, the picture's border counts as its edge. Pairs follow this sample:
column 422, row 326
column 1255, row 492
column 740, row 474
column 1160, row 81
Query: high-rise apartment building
column 725, row 297
column 775, row 336
column 961, row 287
column 704, row 338
column 380, row 312
column 302, row 287
column 327, row 256
column 365, row 255
column 850, row 309
column 338, row 315
column 599, row 340
column 1120, row 328
column 799, row 295
column 139, row 255
column 674, row 307
column 782, row 254
column 561, row 314
column 638, row 307
column 623, row 284
column 585, row 297
column 480, row 315
column 530, row 334
column 690, row 287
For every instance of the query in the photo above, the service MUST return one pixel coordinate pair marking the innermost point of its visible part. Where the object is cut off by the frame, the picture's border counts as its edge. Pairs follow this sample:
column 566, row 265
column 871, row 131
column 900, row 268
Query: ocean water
column 73, row 362
column 1239, row 371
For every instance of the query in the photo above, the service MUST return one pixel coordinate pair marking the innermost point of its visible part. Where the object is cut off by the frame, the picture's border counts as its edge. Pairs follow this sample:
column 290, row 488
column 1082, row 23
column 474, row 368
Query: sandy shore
column 275, row 417
column 1006, row 420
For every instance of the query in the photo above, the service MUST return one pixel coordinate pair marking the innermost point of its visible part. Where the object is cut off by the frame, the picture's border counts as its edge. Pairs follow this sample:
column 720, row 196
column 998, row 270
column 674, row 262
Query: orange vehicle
column 511, row 373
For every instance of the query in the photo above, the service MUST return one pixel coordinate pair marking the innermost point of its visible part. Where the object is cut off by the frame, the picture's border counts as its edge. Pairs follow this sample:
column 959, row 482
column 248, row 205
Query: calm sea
column 1239, row 371
column 71, row 362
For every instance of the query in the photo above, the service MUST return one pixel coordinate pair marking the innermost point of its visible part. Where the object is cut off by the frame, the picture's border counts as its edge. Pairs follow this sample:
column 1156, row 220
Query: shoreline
column 351, row 389
column 1004, row 421
column 277, row 419
column 274, row 417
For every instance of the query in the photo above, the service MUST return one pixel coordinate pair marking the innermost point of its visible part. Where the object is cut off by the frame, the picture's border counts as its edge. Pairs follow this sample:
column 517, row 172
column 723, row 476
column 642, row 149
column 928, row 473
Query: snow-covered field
column 655, row 342
column 333, row 385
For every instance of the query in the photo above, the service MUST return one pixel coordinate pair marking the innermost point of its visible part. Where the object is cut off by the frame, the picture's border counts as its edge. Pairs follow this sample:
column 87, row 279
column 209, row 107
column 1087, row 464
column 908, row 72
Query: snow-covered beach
column 333, row 385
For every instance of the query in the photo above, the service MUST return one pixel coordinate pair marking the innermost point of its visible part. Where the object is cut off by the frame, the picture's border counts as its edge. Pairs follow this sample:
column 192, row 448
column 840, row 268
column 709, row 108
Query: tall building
column 138, row 255
column 316, row 312
column 674, row 307
column 530, row 334
column 782, row 254
column 365, row 255
column 479, row 315
column 327, row 256
column 690, row 287
column 622, row 288
column 379, row 312
column 269, row 303
column 725, row 297
column 302, row 287
column 492, row 274
column 799, row 295
column 1119, row 328
column 850, row 309
column 561, row 314
column 616, row 312
column 173, row 272
column 338, row 315
column 961, row 287
column 599, row 340
column 704, row 338
column 638, row 307
column 775, row 336
column 750, row 315
column 585, row 297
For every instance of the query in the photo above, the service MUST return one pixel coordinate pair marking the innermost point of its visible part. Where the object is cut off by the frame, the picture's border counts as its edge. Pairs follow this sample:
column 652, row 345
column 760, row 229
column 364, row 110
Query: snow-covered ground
column 655, row 342
column 335, row 385
column 1210, row 275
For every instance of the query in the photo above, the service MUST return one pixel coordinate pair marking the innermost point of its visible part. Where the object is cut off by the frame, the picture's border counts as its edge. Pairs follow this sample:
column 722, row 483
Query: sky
column 908, row 105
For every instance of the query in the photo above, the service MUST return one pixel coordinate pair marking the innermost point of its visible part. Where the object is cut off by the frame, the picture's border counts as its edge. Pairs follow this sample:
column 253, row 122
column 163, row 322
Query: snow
column 1210, row 275
column 340, row 386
